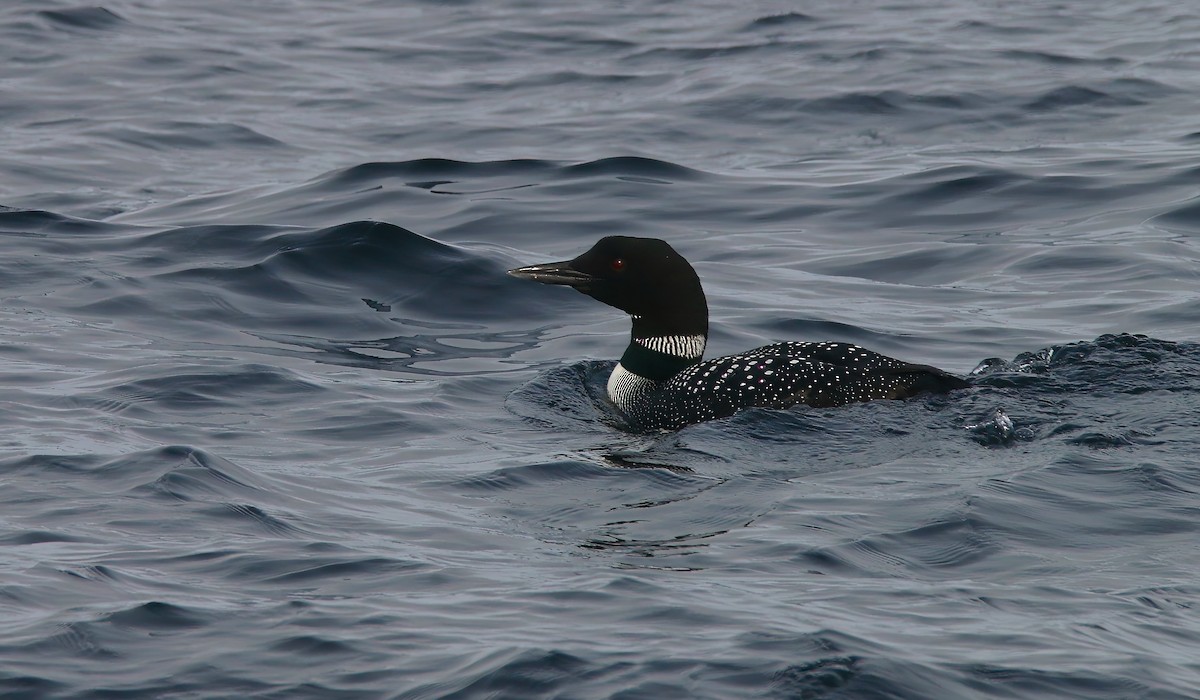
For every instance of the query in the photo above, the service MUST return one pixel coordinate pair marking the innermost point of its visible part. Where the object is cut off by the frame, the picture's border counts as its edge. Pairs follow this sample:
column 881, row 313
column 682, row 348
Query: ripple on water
column 278, row 425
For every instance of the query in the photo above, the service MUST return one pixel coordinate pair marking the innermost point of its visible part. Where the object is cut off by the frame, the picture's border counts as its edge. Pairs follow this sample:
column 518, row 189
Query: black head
column 643, row 277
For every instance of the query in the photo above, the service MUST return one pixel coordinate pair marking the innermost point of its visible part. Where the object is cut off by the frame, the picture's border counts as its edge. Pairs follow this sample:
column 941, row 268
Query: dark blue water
column 277, row 425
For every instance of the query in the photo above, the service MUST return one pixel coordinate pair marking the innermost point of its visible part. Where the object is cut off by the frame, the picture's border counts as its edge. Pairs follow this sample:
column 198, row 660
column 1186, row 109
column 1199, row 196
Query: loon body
column 662, row 380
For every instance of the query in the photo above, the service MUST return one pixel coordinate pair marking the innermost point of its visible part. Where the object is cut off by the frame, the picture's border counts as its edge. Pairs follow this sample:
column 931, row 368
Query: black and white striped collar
column 690, row 347
column 659, row 358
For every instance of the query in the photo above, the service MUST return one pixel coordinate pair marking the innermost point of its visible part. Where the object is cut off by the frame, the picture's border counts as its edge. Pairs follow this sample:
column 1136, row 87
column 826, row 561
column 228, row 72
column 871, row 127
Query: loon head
column 644, row 277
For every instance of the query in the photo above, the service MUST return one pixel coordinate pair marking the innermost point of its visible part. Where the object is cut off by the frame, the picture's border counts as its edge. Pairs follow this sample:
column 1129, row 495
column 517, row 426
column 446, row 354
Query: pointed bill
column 553, row 273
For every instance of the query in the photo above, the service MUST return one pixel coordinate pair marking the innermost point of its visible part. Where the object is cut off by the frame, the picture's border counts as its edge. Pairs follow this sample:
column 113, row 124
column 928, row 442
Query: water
column 277, row 424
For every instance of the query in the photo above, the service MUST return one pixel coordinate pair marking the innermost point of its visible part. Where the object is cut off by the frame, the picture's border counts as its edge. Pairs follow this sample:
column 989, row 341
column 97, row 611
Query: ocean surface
column 277, row 425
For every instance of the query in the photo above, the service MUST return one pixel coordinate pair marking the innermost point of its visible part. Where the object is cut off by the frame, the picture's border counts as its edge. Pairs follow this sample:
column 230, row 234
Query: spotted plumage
column 776, row 376
column 662, row 382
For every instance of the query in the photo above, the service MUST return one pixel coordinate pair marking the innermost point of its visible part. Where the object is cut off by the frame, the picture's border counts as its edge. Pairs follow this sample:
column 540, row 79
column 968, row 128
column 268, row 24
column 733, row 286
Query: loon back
column 661, row 381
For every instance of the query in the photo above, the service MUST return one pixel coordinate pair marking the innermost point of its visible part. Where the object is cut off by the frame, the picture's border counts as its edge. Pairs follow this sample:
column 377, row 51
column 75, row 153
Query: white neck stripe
column 688, row 346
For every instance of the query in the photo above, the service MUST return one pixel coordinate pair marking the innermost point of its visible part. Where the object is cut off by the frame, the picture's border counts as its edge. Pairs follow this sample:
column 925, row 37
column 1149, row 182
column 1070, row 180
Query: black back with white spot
column 783, row 375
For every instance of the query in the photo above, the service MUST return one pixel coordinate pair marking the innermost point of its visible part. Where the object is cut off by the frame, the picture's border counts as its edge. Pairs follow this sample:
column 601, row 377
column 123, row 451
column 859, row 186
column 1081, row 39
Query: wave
column 96, row 18
column 435, row 168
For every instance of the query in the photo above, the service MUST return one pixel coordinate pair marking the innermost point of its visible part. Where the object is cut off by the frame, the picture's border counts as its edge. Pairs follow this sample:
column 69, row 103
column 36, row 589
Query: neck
column 656, row 352
column 660, row 357
column 648, row 362
column 659, row 350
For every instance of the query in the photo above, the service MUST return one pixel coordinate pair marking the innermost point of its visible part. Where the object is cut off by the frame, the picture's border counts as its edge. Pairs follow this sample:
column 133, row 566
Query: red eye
column 617, row 264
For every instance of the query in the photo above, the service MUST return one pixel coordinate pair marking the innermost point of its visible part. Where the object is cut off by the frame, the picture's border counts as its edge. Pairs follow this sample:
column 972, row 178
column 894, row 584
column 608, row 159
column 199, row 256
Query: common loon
column 662, row 381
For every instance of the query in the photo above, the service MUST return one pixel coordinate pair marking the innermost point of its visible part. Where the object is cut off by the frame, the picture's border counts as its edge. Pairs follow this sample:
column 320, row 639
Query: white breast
column 624, row 387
